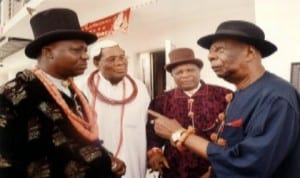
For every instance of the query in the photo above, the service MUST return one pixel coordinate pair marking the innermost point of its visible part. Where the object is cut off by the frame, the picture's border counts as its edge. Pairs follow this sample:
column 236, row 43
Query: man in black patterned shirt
column 42, row 133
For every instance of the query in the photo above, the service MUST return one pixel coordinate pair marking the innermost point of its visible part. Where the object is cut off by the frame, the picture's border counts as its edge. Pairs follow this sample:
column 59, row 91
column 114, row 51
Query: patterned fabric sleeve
column 152, row 139
column 11, row 139
column 37, row 140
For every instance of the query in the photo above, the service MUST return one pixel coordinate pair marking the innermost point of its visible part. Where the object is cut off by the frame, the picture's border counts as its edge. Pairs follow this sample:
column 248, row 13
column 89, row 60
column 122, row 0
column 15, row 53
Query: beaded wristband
column 184, row 136
column 176, row 136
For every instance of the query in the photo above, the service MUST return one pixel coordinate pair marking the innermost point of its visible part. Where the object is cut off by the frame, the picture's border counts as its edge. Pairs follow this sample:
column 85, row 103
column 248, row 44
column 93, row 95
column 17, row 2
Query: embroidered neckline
column 86, row 127
column 221, row 120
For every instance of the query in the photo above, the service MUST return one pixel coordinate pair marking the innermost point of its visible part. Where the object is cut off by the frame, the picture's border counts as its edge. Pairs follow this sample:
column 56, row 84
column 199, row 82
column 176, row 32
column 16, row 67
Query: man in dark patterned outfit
column 193, row 103
column 47, row 129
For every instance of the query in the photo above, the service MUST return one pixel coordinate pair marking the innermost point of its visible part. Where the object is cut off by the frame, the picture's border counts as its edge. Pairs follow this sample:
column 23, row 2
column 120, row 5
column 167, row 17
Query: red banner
column 106, row 26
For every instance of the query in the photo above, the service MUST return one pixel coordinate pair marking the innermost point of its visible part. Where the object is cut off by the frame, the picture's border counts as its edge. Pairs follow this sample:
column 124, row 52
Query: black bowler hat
column 242, row 31
column 54, row 25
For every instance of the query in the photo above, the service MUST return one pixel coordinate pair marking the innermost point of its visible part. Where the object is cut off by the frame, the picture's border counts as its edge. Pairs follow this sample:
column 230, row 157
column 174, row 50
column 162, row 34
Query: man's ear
column 171, row 73
column 47, row 52
column 96, row 62
column 252, row 52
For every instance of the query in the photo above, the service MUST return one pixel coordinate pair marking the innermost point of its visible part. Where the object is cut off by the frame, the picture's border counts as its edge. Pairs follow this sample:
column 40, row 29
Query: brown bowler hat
column 180, row 56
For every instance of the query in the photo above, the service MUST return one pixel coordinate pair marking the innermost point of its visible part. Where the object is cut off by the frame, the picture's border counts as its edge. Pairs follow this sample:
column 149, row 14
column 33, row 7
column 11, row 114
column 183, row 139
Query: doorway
column 158, row 72
column 153, row 73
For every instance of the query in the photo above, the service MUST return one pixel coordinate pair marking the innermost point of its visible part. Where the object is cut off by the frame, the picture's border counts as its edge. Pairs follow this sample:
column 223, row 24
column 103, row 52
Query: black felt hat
column 242, row 31
column 54, row 25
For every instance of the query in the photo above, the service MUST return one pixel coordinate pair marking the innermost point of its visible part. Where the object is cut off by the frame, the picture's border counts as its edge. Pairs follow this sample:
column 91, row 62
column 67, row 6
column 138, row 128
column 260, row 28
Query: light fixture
column 10, row 45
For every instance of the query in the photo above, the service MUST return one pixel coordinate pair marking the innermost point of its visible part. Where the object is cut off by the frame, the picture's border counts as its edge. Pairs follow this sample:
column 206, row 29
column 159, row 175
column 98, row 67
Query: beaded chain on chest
column 86, row 127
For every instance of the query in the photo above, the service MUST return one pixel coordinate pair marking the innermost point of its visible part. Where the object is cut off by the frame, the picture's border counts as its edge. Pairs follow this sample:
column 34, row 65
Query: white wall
column 13, row 64
column 280, row 21
column 184, row 32
column 278, row 18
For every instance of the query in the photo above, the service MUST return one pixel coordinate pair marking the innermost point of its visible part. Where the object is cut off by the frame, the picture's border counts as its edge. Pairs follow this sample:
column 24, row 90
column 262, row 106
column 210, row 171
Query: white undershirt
column 58, row 84
column 190, row 93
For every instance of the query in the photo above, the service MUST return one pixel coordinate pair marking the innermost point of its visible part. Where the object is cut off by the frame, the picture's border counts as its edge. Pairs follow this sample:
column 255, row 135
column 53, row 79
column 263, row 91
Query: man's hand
column 207, row 174
column 164, row 126
column 157, row 162
column 117, row 166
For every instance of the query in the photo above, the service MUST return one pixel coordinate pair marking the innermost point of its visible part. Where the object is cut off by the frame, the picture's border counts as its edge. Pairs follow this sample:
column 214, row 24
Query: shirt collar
column 58, row 83
column 193, row 91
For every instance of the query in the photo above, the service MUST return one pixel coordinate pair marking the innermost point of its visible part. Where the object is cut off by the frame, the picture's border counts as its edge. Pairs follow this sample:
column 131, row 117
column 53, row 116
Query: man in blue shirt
column 258, row 134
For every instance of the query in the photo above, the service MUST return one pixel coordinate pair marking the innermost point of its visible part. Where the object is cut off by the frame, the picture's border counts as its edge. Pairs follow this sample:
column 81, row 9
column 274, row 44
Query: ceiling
column 155, row 12
column 148, row 16
column 10, row 45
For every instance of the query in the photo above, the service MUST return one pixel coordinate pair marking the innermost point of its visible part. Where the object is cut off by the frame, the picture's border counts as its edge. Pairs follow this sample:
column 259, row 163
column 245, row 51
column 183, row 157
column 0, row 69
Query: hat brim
column 198, row 62
column 265, row 47
column 33, row 49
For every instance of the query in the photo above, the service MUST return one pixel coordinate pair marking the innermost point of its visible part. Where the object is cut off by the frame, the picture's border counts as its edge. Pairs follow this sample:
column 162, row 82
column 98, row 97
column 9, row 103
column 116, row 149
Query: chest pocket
column 233, row 131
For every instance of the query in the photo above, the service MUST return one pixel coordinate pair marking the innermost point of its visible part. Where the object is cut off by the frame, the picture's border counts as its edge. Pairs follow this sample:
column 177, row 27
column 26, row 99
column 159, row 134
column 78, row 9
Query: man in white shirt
column 121, row 104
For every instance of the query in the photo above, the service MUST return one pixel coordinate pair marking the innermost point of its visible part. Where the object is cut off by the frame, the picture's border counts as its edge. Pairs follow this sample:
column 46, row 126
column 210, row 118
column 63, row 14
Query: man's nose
column 211, row 56
column 85, row 55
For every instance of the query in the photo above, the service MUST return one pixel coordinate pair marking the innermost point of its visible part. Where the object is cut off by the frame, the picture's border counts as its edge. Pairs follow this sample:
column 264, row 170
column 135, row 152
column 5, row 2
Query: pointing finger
column 153, row 113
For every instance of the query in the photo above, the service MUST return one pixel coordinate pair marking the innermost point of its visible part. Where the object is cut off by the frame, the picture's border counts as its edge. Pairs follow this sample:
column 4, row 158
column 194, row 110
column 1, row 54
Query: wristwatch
column 176, row 136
